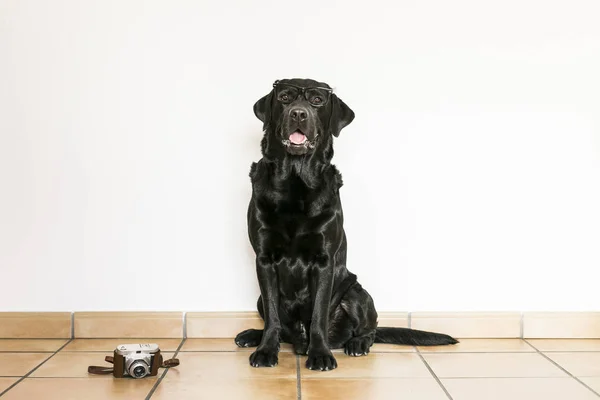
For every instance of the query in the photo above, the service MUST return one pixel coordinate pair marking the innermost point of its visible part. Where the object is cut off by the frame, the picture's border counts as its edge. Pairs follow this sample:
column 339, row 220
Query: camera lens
column 139, row 371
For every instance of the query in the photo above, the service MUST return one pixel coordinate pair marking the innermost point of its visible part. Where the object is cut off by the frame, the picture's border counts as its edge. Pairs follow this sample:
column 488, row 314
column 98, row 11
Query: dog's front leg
column 266, row 352
column 321, row 282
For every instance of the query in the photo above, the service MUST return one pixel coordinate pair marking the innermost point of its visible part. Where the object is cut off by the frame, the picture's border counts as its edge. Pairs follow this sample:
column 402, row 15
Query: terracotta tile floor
column 216, row 369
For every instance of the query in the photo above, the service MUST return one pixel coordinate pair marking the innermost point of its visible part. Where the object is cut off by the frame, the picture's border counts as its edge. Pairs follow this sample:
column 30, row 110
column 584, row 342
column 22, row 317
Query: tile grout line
column 32, row 338
column 34, row 369
column 185, row 324
column 561, row 368
column 298, row 379
column 522, row 325
column 26, row 352
column 159, row 380
column 433, row 374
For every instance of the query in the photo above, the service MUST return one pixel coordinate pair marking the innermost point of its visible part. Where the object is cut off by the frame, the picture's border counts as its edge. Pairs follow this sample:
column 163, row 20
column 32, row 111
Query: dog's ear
column 262, row 108
column 341, row 115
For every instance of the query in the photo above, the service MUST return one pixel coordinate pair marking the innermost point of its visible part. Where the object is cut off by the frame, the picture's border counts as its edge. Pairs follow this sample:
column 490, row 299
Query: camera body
column 137, row 360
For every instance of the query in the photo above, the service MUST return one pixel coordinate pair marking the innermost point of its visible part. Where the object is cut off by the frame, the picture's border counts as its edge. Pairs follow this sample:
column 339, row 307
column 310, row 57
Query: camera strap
column 93, row 369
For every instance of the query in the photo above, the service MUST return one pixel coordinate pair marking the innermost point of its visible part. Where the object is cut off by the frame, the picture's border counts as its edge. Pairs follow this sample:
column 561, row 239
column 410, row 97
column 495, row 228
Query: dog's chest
column 294, row 219
column 293, row 206
column 295, row 227
column 288, row 204
column 293, row 198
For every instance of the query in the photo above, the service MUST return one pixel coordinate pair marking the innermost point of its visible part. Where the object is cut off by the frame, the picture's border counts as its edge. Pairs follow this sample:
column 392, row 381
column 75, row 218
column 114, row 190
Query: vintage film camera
column 135, row 360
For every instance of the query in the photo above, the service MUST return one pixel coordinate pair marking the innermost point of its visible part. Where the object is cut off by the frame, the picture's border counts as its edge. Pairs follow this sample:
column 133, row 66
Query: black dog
column 295, row 223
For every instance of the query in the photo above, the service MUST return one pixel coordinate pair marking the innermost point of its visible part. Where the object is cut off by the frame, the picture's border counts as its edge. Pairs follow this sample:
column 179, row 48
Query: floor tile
column 492, row 365
column 566, row 344
column 469, row 324
column 594, row 383
column 6, row 382
column 392, row 319
column 32, row 345
column 221, row 365
column 75, row 365
column 517, row 388
column 56, row 325
column 375, row 389
column 230, row 387
column 77, row 389
column 19, row 364
column 221, row 324
column 128, row 324
column 578, row 364
column 561, row 325
column 375, row 365
column 109, row 345
column 481, row 346
column 222, row 344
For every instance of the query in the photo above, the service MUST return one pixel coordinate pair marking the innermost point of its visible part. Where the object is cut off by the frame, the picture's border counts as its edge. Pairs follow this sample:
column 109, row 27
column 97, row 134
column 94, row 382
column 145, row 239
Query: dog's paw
column 264, row 358
column 321, row 361
column 249, row 338
column 358, row 346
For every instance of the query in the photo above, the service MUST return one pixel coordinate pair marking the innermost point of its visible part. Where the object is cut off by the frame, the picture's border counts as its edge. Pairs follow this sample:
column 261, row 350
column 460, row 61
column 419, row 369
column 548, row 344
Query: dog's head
column 302, row 113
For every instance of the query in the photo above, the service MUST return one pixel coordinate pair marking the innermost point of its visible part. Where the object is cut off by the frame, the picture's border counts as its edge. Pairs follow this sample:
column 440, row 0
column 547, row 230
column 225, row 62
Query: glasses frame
column 303, row 89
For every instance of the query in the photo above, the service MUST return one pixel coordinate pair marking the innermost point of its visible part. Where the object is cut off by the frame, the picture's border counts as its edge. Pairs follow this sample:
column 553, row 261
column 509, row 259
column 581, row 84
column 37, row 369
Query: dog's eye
column 284, row 97
column 317, row 100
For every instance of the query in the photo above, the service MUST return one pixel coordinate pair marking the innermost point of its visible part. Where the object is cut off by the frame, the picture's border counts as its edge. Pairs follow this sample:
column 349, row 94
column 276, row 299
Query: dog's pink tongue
column 297, row 138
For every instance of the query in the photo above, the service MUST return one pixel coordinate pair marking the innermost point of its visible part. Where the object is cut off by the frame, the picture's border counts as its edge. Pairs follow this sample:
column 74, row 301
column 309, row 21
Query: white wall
column 472, row 170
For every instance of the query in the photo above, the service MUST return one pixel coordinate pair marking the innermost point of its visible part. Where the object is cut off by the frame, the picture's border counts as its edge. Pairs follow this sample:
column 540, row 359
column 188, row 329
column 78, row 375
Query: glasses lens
column 287, row 93
column 316, row 97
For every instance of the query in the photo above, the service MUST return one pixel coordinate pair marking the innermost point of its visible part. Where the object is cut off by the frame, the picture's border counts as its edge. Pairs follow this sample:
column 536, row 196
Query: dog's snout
column 298, row 114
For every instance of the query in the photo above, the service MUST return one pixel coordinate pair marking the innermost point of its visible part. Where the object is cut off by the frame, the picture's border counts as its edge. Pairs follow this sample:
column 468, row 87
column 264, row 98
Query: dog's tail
column 412, row 337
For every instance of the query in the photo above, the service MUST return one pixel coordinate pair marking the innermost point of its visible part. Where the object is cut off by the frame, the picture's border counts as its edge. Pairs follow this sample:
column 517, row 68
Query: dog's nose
column 298, row 114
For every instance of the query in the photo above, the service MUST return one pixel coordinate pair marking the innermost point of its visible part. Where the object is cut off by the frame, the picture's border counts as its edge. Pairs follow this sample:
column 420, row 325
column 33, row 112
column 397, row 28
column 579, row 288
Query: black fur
column 295, row 223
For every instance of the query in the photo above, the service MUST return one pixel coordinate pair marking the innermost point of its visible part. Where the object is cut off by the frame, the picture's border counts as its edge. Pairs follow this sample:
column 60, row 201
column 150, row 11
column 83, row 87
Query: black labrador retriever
column 295, row 223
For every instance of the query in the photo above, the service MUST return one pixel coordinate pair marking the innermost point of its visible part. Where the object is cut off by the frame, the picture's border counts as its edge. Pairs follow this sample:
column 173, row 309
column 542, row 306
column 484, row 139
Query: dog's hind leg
column 356, row 342
column 359, row 345
column 252, row 338
column 353, row 323
column 249, row 338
